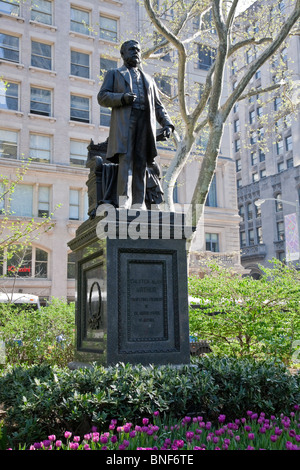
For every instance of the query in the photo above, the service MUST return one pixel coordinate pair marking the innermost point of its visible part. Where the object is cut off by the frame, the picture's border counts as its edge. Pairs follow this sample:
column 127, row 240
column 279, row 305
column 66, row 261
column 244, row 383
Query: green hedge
column 38, row 336
column 256, row 318
column 43, row 400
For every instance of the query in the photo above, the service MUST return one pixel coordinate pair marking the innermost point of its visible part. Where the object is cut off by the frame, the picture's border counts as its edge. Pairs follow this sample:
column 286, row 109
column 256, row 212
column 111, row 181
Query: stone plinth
column 132, row 296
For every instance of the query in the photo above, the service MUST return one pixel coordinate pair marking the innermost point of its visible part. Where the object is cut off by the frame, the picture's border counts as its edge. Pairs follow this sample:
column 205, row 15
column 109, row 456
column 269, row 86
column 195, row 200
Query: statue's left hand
column 167, row 131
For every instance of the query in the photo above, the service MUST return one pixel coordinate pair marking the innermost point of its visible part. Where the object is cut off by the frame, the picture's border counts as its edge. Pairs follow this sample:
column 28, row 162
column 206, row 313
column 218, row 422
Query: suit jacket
column 117, row 82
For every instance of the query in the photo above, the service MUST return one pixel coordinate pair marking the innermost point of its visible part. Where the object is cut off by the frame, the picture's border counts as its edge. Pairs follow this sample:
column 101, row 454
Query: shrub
column 46, row 400
column 256, row 318
column 38, row 336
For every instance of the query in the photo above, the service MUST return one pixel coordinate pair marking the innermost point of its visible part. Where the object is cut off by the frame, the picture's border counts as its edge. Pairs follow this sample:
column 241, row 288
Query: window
column 80, row 21
column 254, row 159
column 164, row 84
column 280, row 167
column 258, row 74
column 280, row 231
column 10, row 7
column 262, row 156
column 206, row 57
column 281, row 6
column 252, row 117
column 22, row 200
column 71, row 265
column 251, row 236
column 289, row 143
column 41, row 263
column 257, row 211
column 250, row 56
column 259, row 235
column 238, row 164
column 277, row 103
column 253, row 137
column 281, row 256
column 249, row 211
column 40, row 147
column 237, row 145
column 105, row 65
column 263, row 173
column 9, row 47
column 80, row 64
column 212, row 242
column 239, row 183
column 78, row 152
column 243, row 239
column 290, row 163
column 44, row 201
column 27, row 261
column 279, row 147
column 255, row 177
column 242, row 213
column 9, row 95
column 211, row 200
column 80, row 108
column 8, row 144
column 278, row 203
column 259, row 111
column 283, row 55
column 74, row 204
column 40, row 101
column 20, row 264
column 41, row 11
column 233, row 67
column 236, row 125
column 108, row 29
column 235, row 107
column 41, row 55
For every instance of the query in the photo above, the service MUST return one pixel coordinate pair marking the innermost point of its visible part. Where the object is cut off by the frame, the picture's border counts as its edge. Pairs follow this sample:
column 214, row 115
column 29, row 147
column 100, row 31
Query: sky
column 243, row 4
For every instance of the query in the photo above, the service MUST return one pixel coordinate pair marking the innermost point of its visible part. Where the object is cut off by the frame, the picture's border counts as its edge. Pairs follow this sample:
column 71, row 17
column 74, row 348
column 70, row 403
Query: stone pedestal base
column 132, row 297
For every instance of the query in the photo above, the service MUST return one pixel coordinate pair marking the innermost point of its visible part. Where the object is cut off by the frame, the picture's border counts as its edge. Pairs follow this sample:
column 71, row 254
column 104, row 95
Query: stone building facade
column 265, row 147
column 52, row 56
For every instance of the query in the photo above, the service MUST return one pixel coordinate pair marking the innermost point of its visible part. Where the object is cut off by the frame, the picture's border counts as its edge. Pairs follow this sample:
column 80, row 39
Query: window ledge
column 84, row 124
column 114, row 2
column 73, row 34
column 14, row 64
column 43, row 25
column 82, row 79
column 103, row 128
column 107, row 42
column 40, row 116
column 20, row 19
column 12, row 111
column 38, row 69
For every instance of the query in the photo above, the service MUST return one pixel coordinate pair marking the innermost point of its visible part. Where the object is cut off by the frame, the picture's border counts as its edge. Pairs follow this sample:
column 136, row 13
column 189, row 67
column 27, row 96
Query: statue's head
column 131, row 53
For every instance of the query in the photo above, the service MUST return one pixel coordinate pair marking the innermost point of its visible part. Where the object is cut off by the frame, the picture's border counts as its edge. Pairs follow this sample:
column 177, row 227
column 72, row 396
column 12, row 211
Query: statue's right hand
column 129, row 98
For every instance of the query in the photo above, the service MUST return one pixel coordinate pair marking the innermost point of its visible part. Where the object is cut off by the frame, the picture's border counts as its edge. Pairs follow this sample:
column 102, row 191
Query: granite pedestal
column 131, row 283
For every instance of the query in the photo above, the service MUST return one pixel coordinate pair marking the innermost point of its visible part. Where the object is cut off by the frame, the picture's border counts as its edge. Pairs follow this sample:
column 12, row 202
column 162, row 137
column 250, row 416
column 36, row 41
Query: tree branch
column 265, row 55
column 181, row 56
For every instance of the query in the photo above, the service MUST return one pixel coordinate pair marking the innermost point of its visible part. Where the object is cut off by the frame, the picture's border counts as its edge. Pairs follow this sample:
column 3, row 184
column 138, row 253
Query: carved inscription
column 147, row 315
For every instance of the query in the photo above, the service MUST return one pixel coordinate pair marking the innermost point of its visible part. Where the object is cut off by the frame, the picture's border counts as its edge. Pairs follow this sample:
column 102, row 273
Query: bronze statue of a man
column 133, row 97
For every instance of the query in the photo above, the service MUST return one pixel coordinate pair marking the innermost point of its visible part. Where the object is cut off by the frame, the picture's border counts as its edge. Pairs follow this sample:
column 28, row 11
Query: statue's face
column 132, row 54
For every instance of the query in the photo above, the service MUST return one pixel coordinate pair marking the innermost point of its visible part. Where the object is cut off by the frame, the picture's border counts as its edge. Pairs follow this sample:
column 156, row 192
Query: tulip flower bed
column 253, row 432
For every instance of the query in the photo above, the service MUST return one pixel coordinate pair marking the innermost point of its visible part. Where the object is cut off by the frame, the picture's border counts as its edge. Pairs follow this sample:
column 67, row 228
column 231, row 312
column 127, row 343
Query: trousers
column 131, row 184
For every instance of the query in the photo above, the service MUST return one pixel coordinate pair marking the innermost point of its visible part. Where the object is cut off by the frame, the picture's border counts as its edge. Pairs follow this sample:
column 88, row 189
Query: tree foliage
column 187, row 30
column 255, row 318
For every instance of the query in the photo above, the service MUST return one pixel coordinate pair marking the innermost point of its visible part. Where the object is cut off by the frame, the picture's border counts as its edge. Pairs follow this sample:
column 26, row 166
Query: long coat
column 116, row 83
